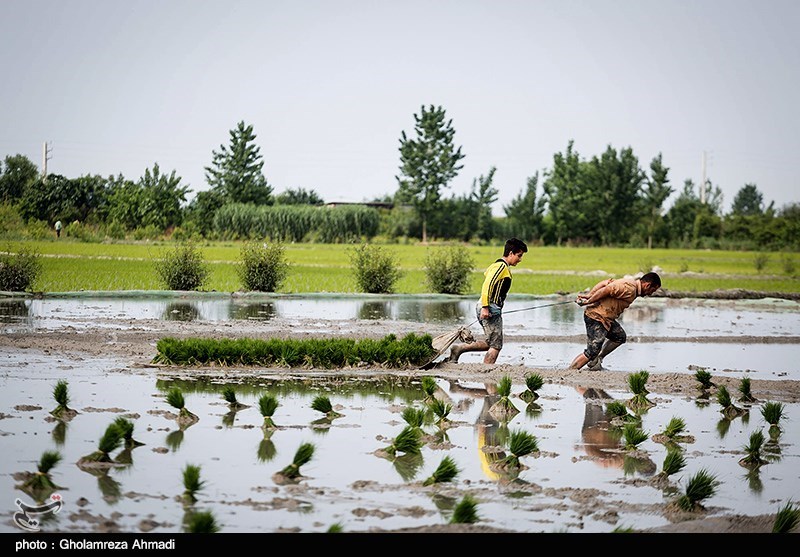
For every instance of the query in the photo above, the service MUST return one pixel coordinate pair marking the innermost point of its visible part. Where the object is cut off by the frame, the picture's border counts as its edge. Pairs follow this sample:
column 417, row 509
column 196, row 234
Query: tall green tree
column 484, row 194
column 748, row 201
column 16, row 172
column 427, row 163
column 236, row 170
column 58, row 198
column 525, row 212
column 566, row 195
column 163, row 197
column 656, row 192
column 298, row 196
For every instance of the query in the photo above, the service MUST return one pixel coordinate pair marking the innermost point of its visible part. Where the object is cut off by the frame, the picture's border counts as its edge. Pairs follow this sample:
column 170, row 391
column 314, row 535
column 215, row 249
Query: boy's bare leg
column 579, row 361
column 491, row 356
column 458, row 349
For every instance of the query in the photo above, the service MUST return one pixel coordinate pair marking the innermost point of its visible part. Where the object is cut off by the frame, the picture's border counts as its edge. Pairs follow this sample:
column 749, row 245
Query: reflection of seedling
column 415, row 417
column 675, row 427
column 322, row 403
column 729, row 410
column 192, row 483
column 700, row 487
column 304, row 453
column 704, row 378
column 176, row 400
column 229, row 394
column 109, row 442
column 267, row 404
column 41, row 483
column 202, row 522
column 445, row 472
column 126, row 428
column 407, row 442
column 466, row 511
column 522, row 444
column 772, row 412
column 786, row 519
column 441, row 410
column 504, row 408
column 61, row 394
column 634, row 436
column 753, row 450
column 637, row 383
column 429, row 387
column 533, row 382
column 744, row 391
column 674, row 462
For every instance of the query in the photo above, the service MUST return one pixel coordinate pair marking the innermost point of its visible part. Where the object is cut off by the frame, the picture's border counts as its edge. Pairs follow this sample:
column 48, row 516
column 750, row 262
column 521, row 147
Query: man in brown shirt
column 604, row 304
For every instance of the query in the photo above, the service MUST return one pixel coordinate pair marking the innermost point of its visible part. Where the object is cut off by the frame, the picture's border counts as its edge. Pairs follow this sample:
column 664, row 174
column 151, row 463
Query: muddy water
column 580, row 481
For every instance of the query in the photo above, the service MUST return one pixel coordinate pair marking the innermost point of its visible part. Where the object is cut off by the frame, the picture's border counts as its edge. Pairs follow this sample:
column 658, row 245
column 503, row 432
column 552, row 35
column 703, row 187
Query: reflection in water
column 266, row 450
column 174, row 440
column 262, row 311
column 601, row 442
column 754, row 482
column 722, row 427
column 229, row 418
column 374, row 309
column 13, row 311
column 448, row 311
column 181, row 311
column 408, row 465
column 59, row 433
column 110, row 488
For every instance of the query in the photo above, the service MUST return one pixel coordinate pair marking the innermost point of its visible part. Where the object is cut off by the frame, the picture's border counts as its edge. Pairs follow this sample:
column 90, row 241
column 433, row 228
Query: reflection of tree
column 181, row 311
column 175, row 439
column 12, row 310
column 262, row 311
column 374, row 309
column 59, row 433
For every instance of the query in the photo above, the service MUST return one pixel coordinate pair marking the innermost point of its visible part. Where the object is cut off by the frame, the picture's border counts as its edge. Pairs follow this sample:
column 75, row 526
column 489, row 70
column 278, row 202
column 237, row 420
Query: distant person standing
column 58, row 229
column 604, row 303
column 496, row 285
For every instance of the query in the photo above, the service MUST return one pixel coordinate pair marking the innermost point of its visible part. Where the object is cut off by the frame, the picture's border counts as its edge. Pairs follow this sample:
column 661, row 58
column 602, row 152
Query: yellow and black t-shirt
column 496, row 284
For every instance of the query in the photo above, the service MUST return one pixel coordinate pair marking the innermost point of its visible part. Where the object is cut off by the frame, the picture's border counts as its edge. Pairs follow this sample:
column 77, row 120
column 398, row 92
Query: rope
column 526, row 309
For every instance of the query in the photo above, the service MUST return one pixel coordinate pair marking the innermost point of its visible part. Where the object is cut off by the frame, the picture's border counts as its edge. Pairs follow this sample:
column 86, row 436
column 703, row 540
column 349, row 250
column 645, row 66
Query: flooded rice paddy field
column 580, row 480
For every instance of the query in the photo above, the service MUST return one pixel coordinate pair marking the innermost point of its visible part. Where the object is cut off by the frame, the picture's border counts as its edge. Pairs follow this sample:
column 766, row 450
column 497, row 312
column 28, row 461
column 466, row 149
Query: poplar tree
column 236, row 170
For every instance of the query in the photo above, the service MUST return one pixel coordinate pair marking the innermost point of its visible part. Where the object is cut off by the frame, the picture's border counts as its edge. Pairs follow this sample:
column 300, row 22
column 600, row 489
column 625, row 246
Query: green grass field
column 71, row 266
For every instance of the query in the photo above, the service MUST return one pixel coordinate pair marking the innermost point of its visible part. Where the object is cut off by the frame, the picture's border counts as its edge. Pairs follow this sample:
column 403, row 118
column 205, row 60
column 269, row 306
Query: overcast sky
column 328, row 86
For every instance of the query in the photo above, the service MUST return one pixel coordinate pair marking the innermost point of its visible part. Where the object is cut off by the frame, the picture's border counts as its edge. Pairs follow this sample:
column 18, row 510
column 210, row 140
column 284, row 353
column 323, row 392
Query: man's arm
column 597, row 293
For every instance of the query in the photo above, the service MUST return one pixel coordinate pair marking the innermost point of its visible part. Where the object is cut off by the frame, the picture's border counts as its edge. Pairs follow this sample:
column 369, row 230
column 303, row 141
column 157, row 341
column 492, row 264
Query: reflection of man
column 597, row 439
column 486, row 425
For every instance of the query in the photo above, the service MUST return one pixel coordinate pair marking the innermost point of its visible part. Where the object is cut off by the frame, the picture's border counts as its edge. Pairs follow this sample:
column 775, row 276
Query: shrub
column 182, row 268
column 18, row 271
column 263, row 266
column 447, row 270
column 760, row 261
column 376, row 270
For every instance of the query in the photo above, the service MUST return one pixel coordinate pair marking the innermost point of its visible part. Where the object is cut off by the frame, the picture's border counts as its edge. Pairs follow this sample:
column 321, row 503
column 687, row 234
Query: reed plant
column 267, row 404
column 745, row 395
column 408, row 441
column 302, row 456
column 699, row 487
column 753, row 458
column 465, row 511
column 637, row 383
column 61, row 395
column 634, row 436
column 787, row 519
column 533, row 382
column 322, row 403
column 445, row 472
column 192, row 484
column 202, row 522
column 521, row 444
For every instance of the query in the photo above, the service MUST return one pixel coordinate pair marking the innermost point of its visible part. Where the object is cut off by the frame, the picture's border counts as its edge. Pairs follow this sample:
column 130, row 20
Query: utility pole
column 703, row 182
column 46, row 155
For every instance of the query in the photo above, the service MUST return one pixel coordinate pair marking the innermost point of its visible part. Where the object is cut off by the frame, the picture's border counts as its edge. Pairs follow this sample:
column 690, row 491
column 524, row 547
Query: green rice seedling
column 429, row 387
column 521, row 444
column 441, row 410
column 176, row 400
column 41, row 483
column 61, row 394
column 202, row 522
column 729, row 409
column 634, row 436
column 415, row 417
column 408, row 441
column 229, row 394
column 623, row 530
column 637, row 383
column 126, row 427
column 753, row 449
column 301, row 457
column 445, row 472
column 699, row 487
column 616, row 410
column 704, row 379
column 533, row 382
column 335, row 528
column 465, row 511
column 109, row 442
column 744, row 391
column 787, row 519
column 675, row 427
column 674, row 462
column 504, row 408
column 192, row 484
column 267, row 404
column 772, row 412
column 322, row 403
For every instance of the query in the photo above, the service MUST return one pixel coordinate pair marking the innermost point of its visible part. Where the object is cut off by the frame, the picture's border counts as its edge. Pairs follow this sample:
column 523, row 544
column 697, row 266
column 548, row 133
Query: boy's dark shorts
column 492, row 328
column 596, row 334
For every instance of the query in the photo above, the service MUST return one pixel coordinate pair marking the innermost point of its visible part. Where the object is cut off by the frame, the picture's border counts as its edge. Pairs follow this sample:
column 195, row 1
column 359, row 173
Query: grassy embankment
column 72, row 266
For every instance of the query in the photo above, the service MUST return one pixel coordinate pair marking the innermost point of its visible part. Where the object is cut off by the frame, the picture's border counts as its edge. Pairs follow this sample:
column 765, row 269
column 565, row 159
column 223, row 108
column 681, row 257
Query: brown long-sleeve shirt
column 620, row 293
